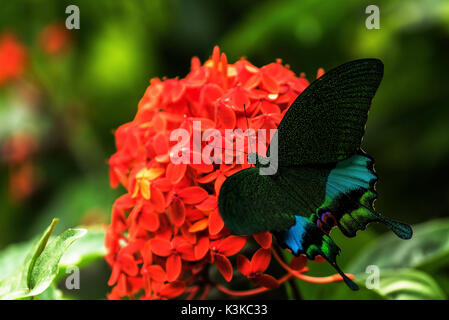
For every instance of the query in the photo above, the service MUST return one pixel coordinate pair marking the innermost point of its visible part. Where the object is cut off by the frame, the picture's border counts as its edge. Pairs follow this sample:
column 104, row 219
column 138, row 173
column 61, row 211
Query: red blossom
column 166, row 231
column 12, row 57
column 254, row 269
column 54, row 38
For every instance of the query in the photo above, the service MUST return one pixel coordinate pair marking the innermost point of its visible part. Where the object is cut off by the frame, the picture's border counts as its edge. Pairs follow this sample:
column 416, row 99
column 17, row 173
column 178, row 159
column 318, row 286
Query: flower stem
column 249, row 292
column 299, row 275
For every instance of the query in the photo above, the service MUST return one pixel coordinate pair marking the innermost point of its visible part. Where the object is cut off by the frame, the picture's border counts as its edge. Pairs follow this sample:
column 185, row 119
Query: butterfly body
column 324, row 179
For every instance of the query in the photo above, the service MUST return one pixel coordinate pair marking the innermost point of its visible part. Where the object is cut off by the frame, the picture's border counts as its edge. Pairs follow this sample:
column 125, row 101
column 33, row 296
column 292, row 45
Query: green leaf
column 51, row 293
column 427, row 250
column 409, row 285
column 40, row 266
column 46, row 267
column 17, row 284
column 83, row 252
column 86, row 250
column 405, row 284
column 11, row 258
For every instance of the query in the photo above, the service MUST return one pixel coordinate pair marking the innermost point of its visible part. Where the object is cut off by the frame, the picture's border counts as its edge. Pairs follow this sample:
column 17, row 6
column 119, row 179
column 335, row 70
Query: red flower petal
column 160, row 143
column 253, row 81
column 114, row 275
column 319, row 73
column 266, row 281
column 264, row 239
column 187, row 252
column 193, row 195
column 128, row 264
column 197, row 78
column 203, row 167
column 231, row 245
column 177, row 212
column 199, row 225
column 218, row 183
column 163, row 184
column 209, row 204
column 188, row 236
column 216, row 224
column 224, row 266
column 156, row 272
column 261, row 260
column 210, row 93
column 149, row 220
column 269, row 83
column 177, row 90
column 216, row 56
column 209, row 178
column 226, row 117
column 175, row 172
column 201, row 248
column 193, row 214
column 298, row 263
column 161, row 247
column 268, row 107
column 172, row 290
column 173, row 265
column 240, row 99
column 319, row 259
column 157, row 199
column 243, row 265
column 122, row 286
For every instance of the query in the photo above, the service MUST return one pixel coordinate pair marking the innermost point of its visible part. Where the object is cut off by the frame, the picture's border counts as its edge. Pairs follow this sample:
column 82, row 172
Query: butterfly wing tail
column 402, row 230
column 350, row 195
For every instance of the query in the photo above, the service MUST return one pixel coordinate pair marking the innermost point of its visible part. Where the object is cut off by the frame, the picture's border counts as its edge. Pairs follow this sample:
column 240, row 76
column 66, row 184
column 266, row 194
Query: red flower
column 12, row 58
column 54, row 38
column 254, row 269
column 166, row 231
column 175, row 251
column 224, row 248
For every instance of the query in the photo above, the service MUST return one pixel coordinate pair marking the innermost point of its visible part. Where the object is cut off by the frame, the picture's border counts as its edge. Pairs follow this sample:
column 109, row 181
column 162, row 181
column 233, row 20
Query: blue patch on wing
column 350, row 174
column 293, row 237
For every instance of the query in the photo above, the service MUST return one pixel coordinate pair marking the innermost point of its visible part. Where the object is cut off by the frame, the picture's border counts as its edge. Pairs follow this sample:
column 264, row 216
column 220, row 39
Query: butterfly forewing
column 327, row 121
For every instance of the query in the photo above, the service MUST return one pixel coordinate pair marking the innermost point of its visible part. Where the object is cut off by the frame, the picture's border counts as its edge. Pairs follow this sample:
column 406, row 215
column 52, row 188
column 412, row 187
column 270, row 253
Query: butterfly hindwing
column 350, row 196
column 326, row 123
column 250, row 203
column 305, row 237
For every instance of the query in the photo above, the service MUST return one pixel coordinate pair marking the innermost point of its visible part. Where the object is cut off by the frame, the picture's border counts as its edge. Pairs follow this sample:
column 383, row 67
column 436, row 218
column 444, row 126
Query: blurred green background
column 70, row 101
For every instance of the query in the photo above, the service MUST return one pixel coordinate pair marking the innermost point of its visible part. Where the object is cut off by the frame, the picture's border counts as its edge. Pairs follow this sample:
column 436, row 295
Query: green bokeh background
column 121, row 45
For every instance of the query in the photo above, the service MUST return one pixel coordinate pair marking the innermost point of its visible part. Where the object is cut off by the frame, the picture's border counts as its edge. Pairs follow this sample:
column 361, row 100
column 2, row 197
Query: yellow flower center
column 143, row 181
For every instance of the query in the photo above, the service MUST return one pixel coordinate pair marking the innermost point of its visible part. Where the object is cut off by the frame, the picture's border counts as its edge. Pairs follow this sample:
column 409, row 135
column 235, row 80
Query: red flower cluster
column 166, row 231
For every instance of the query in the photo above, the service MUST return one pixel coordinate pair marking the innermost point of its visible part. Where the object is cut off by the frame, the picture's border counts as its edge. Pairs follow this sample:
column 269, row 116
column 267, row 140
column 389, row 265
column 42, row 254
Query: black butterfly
column 323, row 179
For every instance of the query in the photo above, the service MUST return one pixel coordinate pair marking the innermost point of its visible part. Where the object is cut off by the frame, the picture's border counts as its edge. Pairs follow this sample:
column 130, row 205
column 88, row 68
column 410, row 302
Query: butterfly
column 324, row 179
